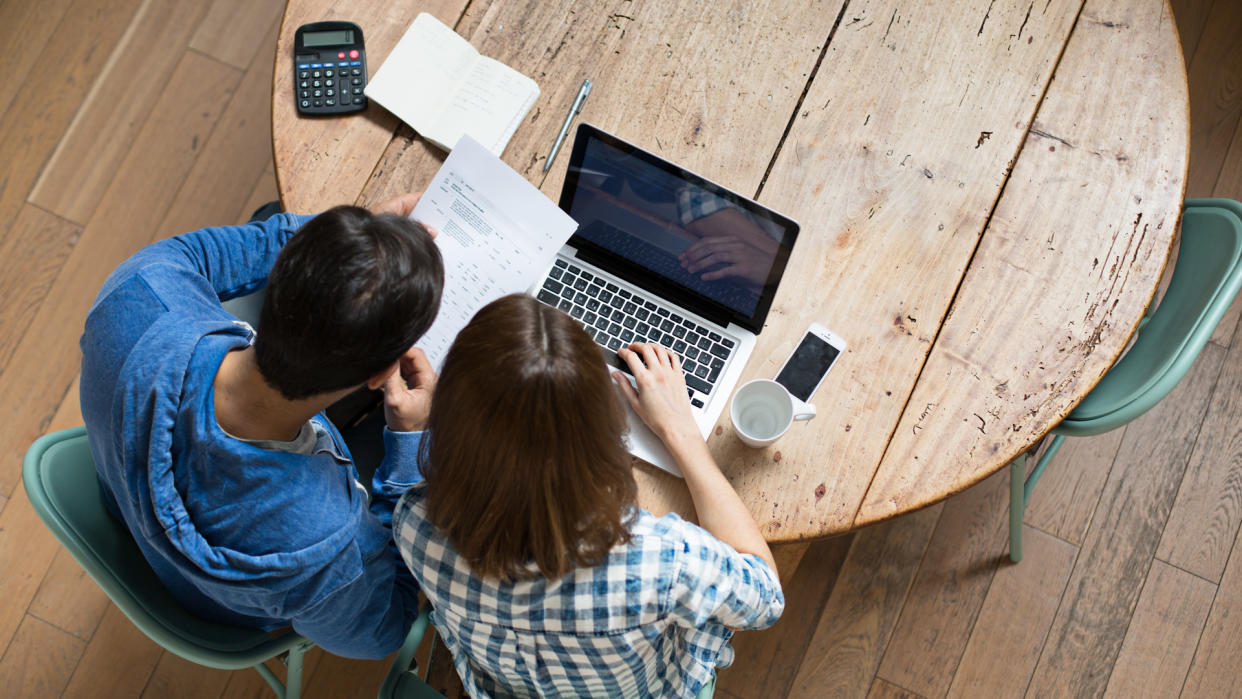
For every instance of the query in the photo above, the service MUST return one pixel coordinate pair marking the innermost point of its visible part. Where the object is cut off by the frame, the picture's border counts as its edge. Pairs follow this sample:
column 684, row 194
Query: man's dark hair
column 348, row 295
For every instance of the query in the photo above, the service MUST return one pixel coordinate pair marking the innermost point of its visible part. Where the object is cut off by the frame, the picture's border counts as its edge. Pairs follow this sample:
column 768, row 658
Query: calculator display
column 336, row 38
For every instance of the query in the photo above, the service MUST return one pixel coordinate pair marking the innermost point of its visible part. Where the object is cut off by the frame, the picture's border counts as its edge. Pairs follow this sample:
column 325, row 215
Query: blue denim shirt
column 239, row 534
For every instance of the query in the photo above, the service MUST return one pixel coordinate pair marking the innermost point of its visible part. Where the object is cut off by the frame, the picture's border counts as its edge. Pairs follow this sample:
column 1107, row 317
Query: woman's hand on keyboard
column 660, row 399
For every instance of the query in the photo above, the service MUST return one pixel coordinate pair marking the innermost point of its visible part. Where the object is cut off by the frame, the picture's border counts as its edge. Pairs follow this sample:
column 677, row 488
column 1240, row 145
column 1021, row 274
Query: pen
column 560, row 137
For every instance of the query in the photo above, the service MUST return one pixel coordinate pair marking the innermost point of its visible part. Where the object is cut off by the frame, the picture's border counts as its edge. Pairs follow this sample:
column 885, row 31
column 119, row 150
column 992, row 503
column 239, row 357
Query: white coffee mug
column 762, row 410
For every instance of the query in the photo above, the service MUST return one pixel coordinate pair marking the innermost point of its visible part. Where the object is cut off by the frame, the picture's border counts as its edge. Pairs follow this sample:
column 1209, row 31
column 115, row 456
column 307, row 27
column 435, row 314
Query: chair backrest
column 1205, row 280
column 60, row 480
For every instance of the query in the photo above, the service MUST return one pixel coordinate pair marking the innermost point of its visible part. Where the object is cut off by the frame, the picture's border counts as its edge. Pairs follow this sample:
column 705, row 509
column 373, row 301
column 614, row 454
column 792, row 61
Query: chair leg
column 1020, row 487
column 293, row 685
column 272, row 680
column 1017, row 506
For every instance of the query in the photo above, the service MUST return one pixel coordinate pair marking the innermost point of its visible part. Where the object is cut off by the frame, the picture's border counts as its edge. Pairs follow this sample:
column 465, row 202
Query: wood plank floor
column 145, row 118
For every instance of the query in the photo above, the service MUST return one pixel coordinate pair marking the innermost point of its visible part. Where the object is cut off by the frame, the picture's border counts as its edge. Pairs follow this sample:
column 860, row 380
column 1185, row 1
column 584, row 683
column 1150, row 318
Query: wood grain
column 31, row 254
column 335, row 676
column 1229, row 186
column 322, row 162
column 53, row 89
column 787, row 558
column 1207, row 513
column 894, row 201
column 45, row 362
column 39, row 660
column 117, row 663
column 1217, row 64
column 1160, row 642
column 232, row 158
column 176, row 677
column 843, row 655
column 25, row 28
column 68, row 598
column 735, row 78
column 766, row 661
column 952, row 582
column 236, row 32
column 1004, row 371
column 1191, row 16
column 263, row 191
column 1009, row 631
column 1104, row 588
column 79, row 171
column 887, row 690
column 1069, row 490
column 26, row 549
column 1214, row 671
column 69, row 414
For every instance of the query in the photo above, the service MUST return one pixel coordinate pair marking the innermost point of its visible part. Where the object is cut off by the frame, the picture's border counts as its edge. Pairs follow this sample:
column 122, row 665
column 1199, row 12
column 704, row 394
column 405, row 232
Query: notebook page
column 489, row 103
column 419, row 77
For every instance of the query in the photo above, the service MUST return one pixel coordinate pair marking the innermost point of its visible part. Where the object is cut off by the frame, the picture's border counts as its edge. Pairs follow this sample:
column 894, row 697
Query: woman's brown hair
column 525, row 461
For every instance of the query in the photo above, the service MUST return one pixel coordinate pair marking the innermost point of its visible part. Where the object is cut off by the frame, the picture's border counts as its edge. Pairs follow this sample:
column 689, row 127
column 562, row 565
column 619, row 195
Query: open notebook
column 436, row 82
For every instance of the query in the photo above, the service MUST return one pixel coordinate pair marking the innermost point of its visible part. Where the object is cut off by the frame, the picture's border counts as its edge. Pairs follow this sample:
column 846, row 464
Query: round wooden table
column 988, row 191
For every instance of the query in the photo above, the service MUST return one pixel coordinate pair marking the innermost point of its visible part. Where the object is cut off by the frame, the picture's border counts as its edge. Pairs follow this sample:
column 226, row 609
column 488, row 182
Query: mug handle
column 803, row 411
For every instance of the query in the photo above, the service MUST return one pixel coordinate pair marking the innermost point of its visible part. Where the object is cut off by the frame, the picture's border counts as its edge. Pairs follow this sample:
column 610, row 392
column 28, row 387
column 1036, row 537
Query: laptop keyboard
column 616, row 317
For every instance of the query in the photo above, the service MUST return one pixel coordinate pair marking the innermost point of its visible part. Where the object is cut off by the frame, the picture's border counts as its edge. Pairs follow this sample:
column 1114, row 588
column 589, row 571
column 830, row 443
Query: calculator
column 329, row 68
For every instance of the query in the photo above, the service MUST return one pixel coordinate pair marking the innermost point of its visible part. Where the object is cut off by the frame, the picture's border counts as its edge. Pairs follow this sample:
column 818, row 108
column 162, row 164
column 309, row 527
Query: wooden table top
column 988, row 192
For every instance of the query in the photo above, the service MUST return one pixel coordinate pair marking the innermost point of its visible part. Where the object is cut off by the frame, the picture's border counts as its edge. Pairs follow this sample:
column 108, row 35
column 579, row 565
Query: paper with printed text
column 497, row 234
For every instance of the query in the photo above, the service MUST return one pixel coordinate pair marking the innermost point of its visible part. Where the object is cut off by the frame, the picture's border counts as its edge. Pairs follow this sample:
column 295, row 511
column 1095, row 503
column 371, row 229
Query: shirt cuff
column 401, row 456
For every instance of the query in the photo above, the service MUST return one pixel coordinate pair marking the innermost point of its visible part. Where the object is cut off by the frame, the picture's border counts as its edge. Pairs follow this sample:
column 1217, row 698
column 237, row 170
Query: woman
column 544, row 576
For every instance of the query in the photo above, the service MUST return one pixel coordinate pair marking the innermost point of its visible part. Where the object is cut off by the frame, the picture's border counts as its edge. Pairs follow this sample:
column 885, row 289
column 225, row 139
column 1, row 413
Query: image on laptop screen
column 676, row 226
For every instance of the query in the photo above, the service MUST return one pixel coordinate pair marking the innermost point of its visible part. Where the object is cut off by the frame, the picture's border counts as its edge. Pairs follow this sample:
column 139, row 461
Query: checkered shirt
column 650, row 621
column 694, row 203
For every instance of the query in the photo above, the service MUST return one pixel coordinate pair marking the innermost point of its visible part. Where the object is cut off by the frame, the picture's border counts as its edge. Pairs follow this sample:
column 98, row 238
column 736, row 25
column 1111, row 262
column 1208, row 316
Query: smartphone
column 810, row 361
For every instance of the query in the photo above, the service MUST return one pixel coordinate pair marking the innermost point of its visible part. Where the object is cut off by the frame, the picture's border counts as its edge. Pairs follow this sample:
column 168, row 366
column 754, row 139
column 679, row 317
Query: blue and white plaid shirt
column 650, row 621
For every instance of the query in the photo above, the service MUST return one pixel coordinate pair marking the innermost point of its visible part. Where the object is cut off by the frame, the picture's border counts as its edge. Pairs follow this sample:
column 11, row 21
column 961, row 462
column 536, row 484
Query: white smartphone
column 810, row 361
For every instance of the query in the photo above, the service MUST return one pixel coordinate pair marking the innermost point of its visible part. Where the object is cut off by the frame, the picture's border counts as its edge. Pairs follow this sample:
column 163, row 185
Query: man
column 209, row 438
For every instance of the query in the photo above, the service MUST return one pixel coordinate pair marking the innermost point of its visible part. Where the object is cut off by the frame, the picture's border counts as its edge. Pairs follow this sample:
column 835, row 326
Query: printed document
column 498, row 234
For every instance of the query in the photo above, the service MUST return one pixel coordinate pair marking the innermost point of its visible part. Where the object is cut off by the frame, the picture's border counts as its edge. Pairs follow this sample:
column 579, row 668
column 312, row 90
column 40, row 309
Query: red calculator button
column 341, row 54
column 353, row 54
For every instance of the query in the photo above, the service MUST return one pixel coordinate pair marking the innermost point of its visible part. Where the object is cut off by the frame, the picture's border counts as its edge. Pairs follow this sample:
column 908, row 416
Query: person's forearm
column 235, row 259
column 719, row 508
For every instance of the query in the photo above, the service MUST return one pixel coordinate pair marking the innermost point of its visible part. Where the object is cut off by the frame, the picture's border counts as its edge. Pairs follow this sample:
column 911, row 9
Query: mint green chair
column 1204, row 283
column 403, row 680
column 59, row 476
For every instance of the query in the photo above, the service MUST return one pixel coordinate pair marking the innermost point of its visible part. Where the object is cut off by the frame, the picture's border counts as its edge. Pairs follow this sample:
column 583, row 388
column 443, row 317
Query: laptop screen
column 674, row 233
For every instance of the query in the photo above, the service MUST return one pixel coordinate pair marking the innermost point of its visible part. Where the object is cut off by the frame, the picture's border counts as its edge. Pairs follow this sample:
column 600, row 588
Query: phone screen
column 806, row 367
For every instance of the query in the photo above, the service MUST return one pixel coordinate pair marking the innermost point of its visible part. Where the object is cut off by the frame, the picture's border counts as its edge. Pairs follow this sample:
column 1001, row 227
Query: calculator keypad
column 330, row 87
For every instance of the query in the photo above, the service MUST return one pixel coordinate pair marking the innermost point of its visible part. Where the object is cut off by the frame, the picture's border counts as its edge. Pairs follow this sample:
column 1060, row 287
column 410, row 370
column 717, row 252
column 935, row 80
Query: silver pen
column 560, row 137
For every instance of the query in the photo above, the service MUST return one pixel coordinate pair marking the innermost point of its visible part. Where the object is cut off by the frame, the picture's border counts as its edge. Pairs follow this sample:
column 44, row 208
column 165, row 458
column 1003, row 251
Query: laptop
column 663, row 255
